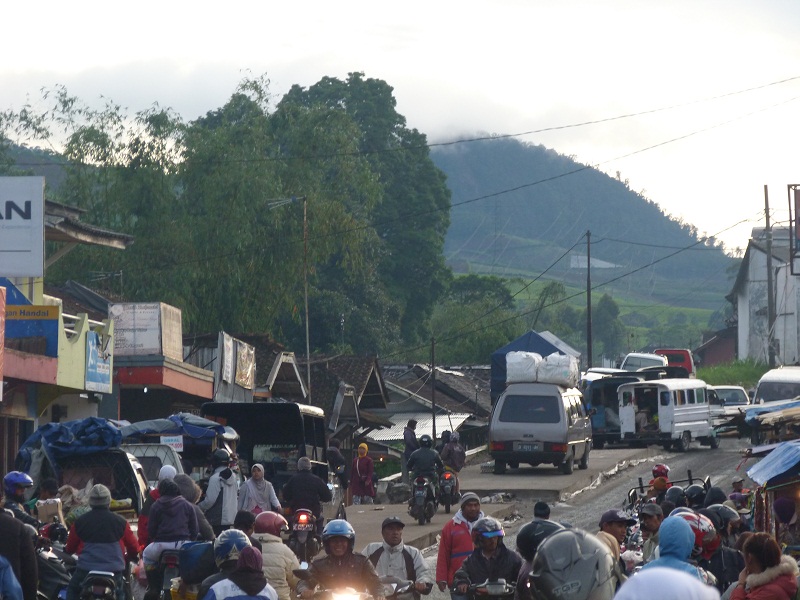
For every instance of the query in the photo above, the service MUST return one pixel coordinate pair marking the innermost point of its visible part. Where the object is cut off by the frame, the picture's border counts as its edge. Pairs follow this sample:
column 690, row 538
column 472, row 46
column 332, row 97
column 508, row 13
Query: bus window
column 665, row 398
column 626, row 398
column 690, row 396
column 680, row 397
column 701, row 396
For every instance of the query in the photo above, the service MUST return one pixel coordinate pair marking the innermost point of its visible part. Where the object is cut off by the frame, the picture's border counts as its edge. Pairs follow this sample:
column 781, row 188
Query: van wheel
column 568, row 465
column 598, row 443
column 713, row 442
column 584, row 464
column 514, row 465
column 499, row 467
column 682, row 445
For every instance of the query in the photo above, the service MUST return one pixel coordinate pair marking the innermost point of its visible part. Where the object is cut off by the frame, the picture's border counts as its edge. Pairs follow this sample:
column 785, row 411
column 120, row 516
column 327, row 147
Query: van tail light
column 499, row 446
column 558, row 447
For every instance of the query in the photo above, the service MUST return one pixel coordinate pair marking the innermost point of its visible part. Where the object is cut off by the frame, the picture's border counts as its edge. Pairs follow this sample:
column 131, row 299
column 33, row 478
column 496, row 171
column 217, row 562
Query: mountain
column 517, row 208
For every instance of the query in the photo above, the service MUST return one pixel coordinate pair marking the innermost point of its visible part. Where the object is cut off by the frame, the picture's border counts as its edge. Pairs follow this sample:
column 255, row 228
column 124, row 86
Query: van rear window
column 769, row 391
column 530, row 409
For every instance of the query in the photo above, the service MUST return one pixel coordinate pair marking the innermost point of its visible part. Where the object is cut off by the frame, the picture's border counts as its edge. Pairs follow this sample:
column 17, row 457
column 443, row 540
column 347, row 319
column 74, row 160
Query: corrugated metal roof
column 424, row 425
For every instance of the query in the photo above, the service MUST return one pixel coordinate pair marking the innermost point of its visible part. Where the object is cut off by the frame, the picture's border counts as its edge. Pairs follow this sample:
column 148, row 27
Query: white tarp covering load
column 529, row 367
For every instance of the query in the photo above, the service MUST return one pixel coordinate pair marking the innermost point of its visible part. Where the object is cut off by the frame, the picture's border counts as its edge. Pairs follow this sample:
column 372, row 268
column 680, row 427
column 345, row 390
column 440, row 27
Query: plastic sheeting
column 751, row 413
column 185, row 424
column 783, row 460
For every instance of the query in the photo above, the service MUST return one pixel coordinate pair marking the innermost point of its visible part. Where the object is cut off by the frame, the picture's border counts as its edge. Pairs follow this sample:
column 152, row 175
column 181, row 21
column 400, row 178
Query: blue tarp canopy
column 529, row 342
column 185, row 424
column 751, row 413
column 783, row 460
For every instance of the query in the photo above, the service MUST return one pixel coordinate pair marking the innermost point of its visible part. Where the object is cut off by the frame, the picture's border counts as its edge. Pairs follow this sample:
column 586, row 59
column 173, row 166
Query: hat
column 660, row 484
column 615, row 515
column 392, row 521
column 784, row 510
column 167, row 472
column 99, row 495
column 651, row 509
column 304, row 464
column 737, row 479
column 468, row 496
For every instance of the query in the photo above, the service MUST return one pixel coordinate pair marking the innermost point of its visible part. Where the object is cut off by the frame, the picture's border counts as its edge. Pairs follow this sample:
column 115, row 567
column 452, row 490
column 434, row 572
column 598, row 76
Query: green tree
column 607, row 327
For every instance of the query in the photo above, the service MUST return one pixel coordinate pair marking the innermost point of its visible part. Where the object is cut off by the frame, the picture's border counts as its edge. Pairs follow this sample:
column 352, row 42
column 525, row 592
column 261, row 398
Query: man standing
column 616, row 522
column 16, row 545
column 222, row 495
column 456, row 540
column 411, row 444
column 392, row 558
column 650, row 517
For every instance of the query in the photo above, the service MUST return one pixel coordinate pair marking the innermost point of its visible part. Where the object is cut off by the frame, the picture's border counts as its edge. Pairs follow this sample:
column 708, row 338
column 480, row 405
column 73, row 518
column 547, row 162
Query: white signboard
column 175, row 441
column 137, row 328
column 22, row 226
column 227, row 358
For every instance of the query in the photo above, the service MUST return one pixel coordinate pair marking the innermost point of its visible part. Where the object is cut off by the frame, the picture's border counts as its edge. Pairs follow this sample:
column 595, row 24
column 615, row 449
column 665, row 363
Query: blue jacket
column 675, row 544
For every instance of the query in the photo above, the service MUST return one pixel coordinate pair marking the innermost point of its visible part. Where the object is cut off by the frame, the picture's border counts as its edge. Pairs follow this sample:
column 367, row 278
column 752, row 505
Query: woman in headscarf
column 246, row 582
column 257, row 494
column 361, row 477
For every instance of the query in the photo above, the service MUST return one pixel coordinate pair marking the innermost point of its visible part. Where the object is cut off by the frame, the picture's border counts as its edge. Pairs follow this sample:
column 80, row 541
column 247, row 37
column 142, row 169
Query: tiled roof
column 424, row 420
column 455, row 389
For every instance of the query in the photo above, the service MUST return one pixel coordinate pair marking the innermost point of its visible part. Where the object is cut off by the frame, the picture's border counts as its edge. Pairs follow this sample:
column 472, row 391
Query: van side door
column 667, row 400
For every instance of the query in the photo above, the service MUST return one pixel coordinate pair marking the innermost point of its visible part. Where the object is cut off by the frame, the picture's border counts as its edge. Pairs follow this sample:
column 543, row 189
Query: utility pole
column 433, row 387
column 305, row 293
column 588, row 298
column 770, row 291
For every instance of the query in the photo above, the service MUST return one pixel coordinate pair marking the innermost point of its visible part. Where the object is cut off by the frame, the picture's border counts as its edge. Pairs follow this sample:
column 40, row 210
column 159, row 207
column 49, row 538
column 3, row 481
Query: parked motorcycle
column 447, row 489
column 423, row 502
column 303, row 538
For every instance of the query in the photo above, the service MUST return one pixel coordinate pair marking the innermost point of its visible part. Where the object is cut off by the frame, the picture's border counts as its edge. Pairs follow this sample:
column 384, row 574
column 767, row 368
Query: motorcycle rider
column 650, row 518
column 278, row 560
column 443, row 441
column 341, row 567
column 491, row 560
column 695, row 496
column 246, row 581
column 306, row 490
column 392, row 558
column 426, row 462
column 103, row 541
column 454, row 457
column 723, row 562
column 528, row 540
column 221, row 501
column 676, row 542
column 14, row 485
column 227, row 547
column 456, row 540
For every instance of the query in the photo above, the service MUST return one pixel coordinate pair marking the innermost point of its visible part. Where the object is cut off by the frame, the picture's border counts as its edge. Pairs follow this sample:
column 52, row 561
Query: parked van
column 634, row 361
column 539, row 423
column 670, row 412
column 678, row 357
column 778, row 386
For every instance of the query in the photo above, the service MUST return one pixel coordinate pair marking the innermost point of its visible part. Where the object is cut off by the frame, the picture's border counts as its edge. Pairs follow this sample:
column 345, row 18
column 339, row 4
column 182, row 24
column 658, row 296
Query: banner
column 245, row 365
column 22, row 226
column 98, row 363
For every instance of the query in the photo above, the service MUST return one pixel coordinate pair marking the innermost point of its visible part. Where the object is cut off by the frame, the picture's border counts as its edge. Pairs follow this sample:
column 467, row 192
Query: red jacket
column 144, row 517
column 776, row 583
column 455, row 546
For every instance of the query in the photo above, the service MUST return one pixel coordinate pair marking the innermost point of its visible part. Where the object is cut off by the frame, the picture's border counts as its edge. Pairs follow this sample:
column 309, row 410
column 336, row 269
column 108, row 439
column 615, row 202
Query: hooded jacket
column 191, row 491
column 676, row 541
column 222, row 497
column 775, row 583
column 172, row 519
column 455, row 546
column 661, row 582
column 278, row 562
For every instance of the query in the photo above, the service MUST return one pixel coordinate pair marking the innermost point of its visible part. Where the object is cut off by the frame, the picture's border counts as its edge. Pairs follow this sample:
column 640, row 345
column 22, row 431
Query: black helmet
column 220, row 456
column 488, row 527
column 425, row 441
column 532, row 534
column 725, row 513
column 676, row 495
column 715, row 495
column 695, row 495
column 573, row 564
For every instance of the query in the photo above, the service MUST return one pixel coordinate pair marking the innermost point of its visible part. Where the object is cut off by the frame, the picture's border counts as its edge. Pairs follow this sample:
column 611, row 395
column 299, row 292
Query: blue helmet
column 229, row 545
column 338, row 528
column 15, row 479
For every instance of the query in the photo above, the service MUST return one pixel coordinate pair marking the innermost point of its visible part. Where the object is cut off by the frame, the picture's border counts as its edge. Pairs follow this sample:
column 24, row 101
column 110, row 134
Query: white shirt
column 392, row 562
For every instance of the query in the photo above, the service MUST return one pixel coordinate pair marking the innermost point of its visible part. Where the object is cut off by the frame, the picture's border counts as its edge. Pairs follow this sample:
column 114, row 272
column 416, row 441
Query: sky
column 708, row 91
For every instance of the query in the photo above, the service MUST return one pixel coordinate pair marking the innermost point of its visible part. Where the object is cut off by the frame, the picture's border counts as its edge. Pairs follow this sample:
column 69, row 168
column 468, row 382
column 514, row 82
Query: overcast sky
column 461, row 68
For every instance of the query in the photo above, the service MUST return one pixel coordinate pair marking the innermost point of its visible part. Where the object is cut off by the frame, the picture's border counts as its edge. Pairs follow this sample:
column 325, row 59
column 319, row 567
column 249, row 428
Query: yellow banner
column 43, row 313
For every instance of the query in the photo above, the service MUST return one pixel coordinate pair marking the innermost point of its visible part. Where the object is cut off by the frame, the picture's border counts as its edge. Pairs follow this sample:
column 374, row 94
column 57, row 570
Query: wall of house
column 753, row 311
column 786, row 322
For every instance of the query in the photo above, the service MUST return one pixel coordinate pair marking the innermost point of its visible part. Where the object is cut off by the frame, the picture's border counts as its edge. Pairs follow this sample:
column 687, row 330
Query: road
column 583, row 510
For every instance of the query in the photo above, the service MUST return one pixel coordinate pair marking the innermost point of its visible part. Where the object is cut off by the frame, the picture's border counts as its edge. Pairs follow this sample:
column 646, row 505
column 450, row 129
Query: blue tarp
column 751, row 413
column 529, row 342
column 782, row 460
column 185, row 424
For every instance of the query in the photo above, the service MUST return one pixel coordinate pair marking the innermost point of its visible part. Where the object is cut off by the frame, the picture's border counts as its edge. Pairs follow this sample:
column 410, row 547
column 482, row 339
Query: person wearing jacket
column 676, row 542
column 456, row 543
column 306, row 490
column 454, row 457
column 221, row 501
column 767, row 574
column 246, row 582
column 337, row 462
column 410, row 444
column 719, row 560
column 491, row 560
column 102, row 540
column 192, row 492
column 166, row 472
column 257, row 494
column 16, row 544
column 278, row 561
column 361, row 472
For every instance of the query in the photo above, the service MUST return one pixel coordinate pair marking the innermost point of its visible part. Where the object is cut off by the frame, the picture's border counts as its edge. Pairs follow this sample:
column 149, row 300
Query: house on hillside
column 749, row 299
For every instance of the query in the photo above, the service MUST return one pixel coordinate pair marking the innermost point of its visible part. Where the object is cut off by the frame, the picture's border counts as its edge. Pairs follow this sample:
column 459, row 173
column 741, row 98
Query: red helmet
column 661, row 470
column 270, row 522
column 705, row 535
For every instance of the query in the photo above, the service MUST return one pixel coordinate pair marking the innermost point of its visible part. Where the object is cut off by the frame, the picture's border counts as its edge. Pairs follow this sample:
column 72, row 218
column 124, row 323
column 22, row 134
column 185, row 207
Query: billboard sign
column 33, row 321
column 145, row 328
column 22, row 226
column 99, row 360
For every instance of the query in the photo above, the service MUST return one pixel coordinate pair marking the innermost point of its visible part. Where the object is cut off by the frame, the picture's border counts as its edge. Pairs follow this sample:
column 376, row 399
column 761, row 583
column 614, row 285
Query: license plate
column 526, row 447
column 304, row 527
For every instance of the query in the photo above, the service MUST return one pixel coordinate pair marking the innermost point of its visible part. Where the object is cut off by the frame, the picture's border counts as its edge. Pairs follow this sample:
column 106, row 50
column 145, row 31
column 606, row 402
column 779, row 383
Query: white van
column 634, row 361
column 778, row 386
column 670, row 412
column 539, row 423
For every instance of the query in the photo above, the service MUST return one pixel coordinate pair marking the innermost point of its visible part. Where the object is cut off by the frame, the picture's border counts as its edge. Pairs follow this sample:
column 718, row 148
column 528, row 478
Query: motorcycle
column 99, row 585
column 303, row 538
column 320, row 593
column 492, row 590
column 424, row 501
column 168, row 569
column 447, row 489
column 55, row 571
column 395, row 588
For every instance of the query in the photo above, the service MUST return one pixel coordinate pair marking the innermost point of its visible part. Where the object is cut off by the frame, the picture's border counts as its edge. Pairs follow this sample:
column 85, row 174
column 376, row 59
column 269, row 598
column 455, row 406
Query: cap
column 467, row 496
column 651, row 509
column 304, row 464
column 616, row 515
column 99, row 495
column 737, row 479
column 392, row 521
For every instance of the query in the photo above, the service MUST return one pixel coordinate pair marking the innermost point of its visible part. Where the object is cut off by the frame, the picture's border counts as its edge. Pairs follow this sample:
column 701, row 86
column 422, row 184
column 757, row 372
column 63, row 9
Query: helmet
column 228, row 545
column 676, row 495
column 220, row 456
column 338, row 528
column 270, row 522
column 660, row 470
column 726, row 515
column 573, row 564
column 16, row 479
column 425, row 441
column 532, row 534
column 715, row 495
column 695, row 495
column 706, row 539
column 487, row 527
